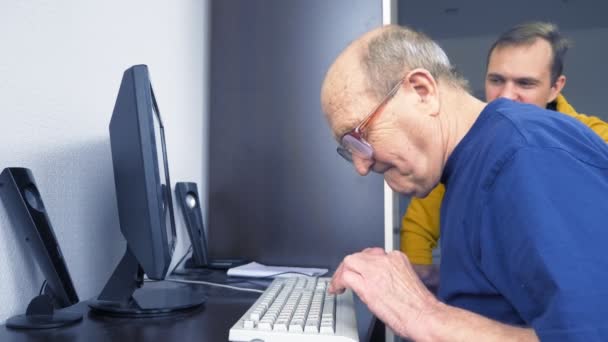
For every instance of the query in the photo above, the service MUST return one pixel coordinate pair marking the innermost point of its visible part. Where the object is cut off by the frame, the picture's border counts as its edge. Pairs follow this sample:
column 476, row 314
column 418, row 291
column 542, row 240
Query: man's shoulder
column 521, row 115
column 539, row 127
column 506, row 118
column 504, row 127
column 515, row 129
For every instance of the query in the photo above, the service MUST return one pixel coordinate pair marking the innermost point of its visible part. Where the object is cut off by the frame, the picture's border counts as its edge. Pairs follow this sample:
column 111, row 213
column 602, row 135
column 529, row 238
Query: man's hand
column 388, row 285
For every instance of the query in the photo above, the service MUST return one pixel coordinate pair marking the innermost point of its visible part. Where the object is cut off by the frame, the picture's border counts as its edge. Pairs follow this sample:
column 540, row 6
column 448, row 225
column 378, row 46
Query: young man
column 525, row 65
column 523, row 259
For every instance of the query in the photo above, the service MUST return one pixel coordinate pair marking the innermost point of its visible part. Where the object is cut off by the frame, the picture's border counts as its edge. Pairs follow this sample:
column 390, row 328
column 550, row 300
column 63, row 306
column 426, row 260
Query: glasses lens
column 357, row 146
column 345, row 153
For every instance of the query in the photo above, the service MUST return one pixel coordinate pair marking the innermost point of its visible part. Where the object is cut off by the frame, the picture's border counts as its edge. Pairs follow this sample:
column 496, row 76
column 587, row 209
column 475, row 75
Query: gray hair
column 397, row 48
column 528, row 33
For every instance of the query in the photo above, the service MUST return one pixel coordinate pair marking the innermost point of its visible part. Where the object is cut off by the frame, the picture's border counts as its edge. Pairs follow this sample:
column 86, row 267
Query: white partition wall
column 391, row 199
column 60, row 70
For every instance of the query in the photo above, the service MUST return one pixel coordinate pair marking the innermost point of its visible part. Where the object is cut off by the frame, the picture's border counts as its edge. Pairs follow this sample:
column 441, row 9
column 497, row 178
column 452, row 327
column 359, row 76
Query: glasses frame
column 355, row 137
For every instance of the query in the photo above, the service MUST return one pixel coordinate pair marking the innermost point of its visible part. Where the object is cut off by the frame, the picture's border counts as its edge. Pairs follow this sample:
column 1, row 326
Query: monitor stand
column 125, row 294
column 41, row 314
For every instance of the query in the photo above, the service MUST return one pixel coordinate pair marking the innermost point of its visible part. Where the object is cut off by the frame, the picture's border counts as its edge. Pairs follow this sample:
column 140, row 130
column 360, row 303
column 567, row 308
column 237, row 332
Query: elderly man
column 510, row 170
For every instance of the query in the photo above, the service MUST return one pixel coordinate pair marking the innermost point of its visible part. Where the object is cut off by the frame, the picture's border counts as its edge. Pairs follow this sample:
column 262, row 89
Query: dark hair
column 527, row 34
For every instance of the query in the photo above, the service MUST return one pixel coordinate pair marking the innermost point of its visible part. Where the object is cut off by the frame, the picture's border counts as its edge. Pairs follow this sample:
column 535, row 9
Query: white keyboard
column 298, row 309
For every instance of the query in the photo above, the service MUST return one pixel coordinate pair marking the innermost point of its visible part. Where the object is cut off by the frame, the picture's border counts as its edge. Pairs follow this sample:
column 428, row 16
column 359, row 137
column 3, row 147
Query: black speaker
column 189, row 201
column 28, row 215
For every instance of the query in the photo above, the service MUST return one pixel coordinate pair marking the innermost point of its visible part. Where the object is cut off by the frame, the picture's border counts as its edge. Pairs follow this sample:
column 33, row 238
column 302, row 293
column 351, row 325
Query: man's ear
column 557, row 87
column 425, row 87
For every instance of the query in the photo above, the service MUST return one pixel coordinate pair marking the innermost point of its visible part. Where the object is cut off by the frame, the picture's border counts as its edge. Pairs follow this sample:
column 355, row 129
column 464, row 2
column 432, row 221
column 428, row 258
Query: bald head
column 371, row 65
column 345, row 85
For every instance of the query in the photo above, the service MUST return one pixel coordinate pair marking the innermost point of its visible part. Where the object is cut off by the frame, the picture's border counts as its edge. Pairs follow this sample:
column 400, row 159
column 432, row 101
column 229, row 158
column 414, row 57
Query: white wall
column 61, row 64
column 585, row 66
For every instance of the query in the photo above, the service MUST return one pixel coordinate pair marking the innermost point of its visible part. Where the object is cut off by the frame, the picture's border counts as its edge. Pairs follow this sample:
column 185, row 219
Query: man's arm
column 420, row 227
column 597, row 125
column 449, row 323
column 388, row 285
column 544, row 240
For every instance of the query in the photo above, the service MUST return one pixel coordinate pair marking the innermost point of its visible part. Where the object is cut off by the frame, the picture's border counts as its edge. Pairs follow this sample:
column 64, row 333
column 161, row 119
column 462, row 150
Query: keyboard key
column 312, row 325
column 265, row 325
column 280, row 326
column 327, row 329
column 255, row 315
column 249, row 324
column 296, row 325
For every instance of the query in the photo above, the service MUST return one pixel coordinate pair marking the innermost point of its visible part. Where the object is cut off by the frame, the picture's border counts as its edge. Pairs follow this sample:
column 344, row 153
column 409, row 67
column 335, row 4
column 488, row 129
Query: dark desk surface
column 210, row 323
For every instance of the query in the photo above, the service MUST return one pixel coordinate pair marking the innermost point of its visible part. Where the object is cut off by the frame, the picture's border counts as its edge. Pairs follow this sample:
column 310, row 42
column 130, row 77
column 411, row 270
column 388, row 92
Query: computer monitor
column 28, row 215
column 145, row 207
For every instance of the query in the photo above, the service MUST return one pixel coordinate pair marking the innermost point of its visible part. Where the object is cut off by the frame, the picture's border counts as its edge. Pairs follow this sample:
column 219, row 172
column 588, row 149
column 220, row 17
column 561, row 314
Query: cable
column 244, row 280
column 281, row 273
column 181, row 259
column 42, row 287
column 200, row 282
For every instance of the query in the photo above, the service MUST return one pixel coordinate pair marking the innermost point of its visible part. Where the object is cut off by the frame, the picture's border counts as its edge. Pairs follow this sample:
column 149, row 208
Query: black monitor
column 28, row 215
column 145, row 207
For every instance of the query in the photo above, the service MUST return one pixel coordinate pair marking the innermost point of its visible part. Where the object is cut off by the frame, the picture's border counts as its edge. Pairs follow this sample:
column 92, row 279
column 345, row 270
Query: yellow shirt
column 420, row 224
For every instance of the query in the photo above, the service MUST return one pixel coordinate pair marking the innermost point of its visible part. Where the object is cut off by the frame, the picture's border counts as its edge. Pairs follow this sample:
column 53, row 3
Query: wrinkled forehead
column 345, row 99
column 346, row 107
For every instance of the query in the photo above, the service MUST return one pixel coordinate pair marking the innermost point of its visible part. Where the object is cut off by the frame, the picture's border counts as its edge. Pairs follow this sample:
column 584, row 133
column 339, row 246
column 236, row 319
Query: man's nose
column 509, row 92
column 362, row 165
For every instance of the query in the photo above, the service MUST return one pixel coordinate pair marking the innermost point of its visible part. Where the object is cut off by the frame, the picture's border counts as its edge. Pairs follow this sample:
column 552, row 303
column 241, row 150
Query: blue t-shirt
column 524, row 223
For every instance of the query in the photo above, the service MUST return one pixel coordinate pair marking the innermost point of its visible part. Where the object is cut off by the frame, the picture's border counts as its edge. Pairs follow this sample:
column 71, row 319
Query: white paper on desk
column 256, row 270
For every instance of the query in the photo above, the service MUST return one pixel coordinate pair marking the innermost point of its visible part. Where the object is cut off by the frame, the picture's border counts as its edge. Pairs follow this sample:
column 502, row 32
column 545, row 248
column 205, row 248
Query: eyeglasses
column 353, row 142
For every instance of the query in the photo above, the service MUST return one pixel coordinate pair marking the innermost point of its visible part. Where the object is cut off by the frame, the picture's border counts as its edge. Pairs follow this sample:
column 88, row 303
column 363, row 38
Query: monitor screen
column 164, row 187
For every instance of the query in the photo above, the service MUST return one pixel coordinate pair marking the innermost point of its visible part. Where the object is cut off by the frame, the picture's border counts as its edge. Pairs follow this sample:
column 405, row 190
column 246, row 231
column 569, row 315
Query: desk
column 210, row 323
